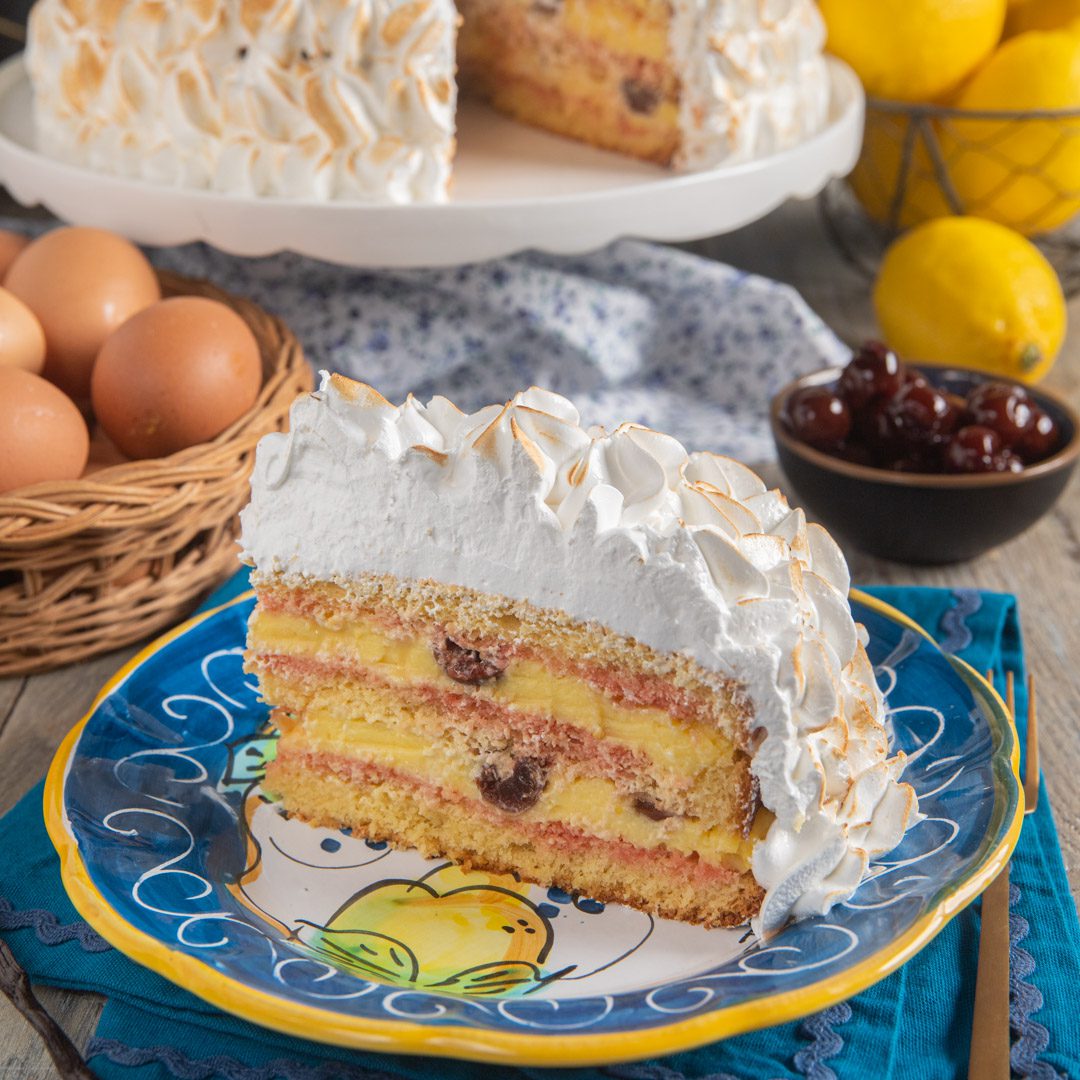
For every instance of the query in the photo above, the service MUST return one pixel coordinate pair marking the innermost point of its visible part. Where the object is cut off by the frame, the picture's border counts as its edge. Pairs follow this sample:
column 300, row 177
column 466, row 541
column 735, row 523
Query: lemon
column 969, row 292
column 912, row 50
column 1027, row 15
column 876, row 178
column 1024, row 174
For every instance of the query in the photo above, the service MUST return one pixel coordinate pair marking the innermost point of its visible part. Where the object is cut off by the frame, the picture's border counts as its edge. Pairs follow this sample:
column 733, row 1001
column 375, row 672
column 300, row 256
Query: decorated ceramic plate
column 173, row 851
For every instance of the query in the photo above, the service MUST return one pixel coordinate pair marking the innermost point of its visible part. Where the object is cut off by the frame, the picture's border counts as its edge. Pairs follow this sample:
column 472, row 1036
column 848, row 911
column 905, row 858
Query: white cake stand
column 514, row 188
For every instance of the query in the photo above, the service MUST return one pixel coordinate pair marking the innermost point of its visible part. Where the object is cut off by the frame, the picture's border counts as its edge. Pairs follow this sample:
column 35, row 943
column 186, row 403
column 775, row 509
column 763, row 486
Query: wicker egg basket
column 89, row 565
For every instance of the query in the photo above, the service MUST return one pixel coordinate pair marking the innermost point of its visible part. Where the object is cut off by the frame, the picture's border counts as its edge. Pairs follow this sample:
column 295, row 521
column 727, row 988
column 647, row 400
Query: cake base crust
column 660, row 882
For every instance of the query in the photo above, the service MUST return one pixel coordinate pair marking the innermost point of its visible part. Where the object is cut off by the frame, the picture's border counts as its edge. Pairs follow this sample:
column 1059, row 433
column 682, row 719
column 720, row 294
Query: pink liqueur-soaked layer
column 623, row 687
column 659, row 863
column 471, row 713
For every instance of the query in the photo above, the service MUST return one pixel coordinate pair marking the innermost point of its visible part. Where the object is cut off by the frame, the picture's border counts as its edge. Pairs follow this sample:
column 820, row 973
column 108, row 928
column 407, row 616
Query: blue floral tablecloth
column 633, row 332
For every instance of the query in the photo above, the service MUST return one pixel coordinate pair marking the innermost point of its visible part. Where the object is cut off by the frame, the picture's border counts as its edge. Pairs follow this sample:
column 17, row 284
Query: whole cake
column 356, row 99
column 591, row 659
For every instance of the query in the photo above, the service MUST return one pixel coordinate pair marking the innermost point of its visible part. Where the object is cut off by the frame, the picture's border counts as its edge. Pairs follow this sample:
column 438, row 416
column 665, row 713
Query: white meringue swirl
column 684, row 552
column 753, row 77
column 299, row 98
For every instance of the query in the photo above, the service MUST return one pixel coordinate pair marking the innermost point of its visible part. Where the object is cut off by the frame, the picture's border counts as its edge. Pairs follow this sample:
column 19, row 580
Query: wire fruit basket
column 918, row 162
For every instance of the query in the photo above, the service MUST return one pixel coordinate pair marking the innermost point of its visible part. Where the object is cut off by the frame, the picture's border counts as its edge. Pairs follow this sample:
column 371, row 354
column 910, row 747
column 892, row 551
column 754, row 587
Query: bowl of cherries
column 921, row 463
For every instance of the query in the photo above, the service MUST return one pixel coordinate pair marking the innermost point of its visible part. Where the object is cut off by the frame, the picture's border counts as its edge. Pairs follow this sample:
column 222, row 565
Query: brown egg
column 11, row 243
column 42, row 434
column 22, row 341
column 174, row 375
column 81, row 284
column 104, row 453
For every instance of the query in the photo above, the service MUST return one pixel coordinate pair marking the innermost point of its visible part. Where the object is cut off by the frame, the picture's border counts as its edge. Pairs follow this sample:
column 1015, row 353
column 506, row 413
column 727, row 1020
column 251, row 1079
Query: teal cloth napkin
column 914, row 1024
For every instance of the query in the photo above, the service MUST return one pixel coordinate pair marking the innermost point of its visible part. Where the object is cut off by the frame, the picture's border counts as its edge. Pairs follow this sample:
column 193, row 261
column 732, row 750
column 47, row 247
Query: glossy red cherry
column 873, row 426
column 1007, row 461
column 972, row 449
column 915, row 378
column 1040, row 440
column 921, row 415
column 873, row 372
column 819, row 417
column 1003, row 407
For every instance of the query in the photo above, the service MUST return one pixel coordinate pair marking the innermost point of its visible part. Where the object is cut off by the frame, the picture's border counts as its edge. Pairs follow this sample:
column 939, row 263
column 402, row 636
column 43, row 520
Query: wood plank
column 38, row 719
column 22, row 1054
column 44, row 711
column 10, row 692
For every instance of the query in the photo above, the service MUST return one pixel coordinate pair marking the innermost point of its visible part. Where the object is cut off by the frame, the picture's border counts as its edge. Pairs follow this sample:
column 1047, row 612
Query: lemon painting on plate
column 394, row 917
column 417, row 932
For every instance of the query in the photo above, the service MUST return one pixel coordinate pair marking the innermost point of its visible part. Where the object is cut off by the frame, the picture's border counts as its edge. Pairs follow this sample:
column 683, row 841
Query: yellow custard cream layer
column 627, row 28
column 679, row 747
column 591, row 804
column 595, row 70
column 623, row 28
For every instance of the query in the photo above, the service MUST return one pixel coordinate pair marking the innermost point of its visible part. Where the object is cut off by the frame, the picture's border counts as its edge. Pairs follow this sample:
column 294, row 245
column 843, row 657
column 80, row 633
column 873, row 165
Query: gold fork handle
column 990, row 1038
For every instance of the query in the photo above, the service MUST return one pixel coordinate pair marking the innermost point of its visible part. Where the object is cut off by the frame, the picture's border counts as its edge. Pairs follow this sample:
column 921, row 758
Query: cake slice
column 590, row 659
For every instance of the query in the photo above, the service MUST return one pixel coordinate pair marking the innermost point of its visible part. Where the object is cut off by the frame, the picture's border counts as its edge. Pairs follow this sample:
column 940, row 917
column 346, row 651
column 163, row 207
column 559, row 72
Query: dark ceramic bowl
column 923, row 517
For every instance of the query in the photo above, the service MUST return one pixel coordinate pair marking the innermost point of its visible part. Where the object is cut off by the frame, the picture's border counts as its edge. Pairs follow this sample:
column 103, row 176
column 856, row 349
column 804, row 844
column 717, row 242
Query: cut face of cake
column 356, row 99
column 688, row 83
column 591, row 659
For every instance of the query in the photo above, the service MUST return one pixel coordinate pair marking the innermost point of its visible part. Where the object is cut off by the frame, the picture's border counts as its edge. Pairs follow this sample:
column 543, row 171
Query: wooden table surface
column 1042, row 567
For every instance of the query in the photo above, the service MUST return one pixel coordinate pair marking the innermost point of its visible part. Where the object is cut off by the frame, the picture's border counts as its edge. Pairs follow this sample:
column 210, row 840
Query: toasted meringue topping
column 305, row 98
column 685, row 552
column 753, row 77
